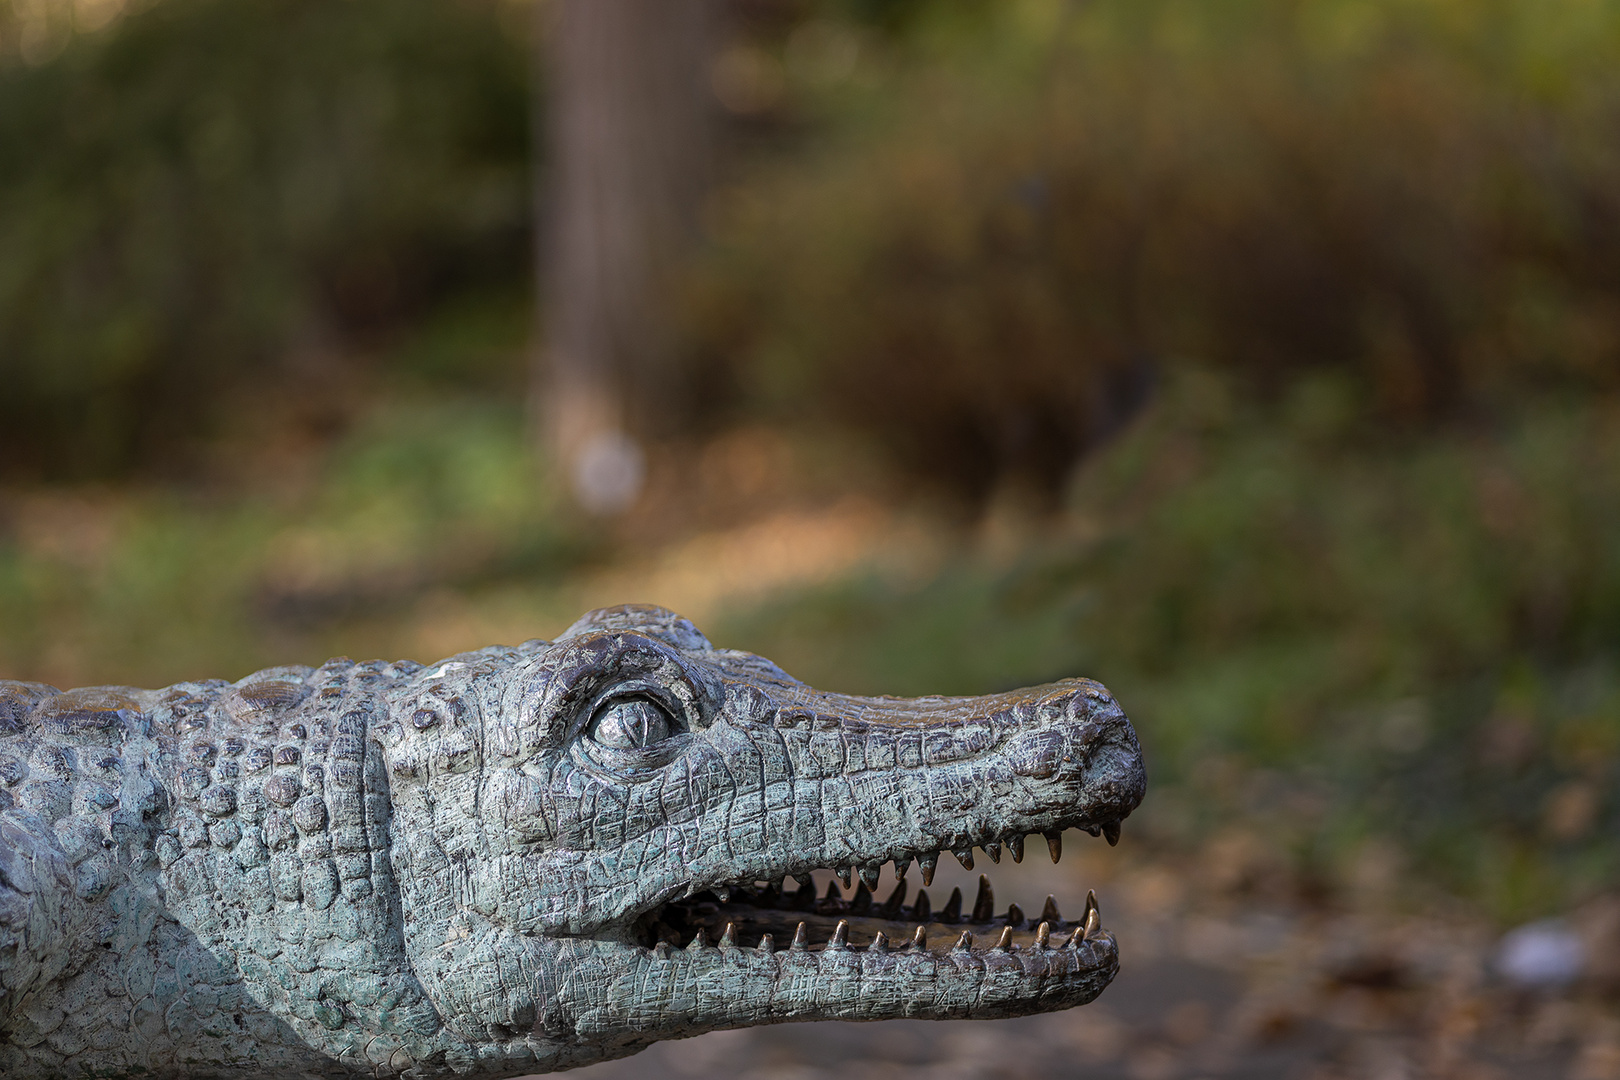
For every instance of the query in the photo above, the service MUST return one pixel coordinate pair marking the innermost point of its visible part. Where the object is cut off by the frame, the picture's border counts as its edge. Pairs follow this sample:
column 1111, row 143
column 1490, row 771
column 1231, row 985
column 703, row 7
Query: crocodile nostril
column 1038, row 754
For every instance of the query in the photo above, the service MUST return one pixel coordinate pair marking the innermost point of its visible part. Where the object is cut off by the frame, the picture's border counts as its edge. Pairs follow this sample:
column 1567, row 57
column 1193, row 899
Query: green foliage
column 211, row 188
column 1319, row 628
column 150, row 587
column 985, row 268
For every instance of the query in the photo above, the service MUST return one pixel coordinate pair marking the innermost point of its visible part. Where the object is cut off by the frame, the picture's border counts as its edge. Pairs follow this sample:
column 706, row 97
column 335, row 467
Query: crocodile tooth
column 1049, row 913
column 1091, row 901
column 693, row 889
column 965, row 857
column 843, row 873
column 927, row 863
column 834, row 894
column 862, row 903
column 1076, row 938
column 662, row 950
column 728, row 938
column 1004, row 942
column 1015, row 844
column 869, row 875
column 1043, row 936
column 805, row 898
column 1054, row 845
column 919, row 940
column 1111, row 831
column 767, row 944
column 700, row 941
column 901, row 865
column 770, row 896
column 952, row 911
column 993, row 850
column 984, row 905
column 804, row 880
column 922, row 909
column 1015, row 915
column 963, row 943
column 722, row 893
column 1094, row 830
column 880, row 944
column 1093, row 921
column 840, row 938
column 891, row 906
column 801, row 940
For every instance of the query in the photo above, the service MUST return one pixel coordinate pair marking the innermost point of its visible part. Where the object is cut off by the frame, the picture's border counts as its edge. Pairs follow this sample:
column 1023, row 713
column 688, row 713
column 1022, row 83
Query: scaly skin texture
column 519, row 859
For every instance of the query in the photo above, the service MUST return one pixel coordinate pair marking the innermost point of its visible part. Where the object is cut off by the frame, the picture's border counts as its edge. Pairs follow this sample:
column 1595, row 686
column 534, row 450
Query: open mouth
column 768, row 916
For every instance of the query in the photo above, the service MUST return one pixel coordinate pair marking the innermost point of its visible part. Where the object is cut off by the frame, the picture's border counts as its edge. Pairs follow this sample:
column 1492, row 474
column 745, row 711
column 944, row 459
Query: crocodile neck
column 217, row 858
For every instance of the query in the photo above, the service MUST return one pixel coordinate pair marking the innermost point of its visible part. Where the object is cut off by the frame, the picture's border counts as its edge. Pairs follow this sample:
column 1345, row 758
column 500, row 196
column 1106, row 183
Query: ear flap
column 649, row 619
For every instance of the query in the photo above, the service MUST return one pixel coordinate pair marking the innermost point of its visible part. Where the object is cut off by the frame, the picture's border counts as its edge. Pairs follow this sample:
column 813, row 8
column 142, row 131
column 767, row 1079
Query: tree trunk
column 628, row 138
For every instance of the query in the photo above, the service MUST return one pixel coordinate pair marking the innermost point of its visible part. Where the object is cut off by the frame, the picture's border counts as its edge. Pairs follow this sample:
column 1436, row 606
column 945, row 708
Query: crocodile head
column 592, row 837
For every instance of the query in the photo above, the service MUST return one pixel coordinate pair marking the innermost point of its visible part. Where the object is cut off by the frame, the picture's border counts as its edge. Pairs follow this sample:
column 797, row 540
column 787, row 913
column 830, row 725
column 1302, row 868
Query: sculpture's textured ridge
column 520, row 859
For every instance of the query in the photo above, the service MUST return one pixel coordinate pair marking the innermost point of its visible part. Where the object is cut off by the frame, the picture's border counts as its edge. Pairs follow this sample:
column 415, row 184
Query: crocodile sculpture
column 521, row 859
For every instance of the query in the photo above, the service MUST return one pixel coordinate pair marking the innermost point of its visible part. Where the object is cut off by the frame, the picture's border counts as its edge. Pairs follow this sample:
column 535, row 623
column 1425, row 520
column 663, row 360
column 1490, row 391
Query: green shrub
column 214, row 193
column 986, row 270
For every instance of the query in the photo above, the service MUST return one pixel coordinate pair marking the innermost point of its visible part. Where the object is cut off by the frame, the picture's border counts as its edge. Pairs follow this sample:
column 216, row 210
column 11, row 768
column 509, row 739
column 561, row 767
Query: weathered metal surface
column 521, row 859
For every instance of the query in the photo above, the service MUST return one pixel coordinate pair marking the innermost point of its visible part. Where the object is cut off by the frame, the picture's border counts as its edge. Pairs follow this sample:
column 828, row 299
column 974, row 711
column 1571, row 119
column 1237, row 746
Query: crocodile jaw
column 612, row 1000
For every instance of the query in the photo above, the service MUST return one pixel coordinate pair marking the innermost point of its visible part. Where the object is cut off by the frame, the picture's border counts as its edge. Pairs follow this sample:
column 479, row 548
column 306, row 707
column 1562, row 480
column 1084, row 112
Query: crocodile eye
column 630, row 724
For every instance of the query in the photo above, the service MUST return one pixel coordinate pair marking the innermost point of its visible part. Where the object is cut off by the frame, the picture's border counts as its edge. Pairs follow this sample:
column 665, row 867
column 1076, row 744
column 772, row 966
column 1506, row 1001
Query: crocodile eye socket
column 630, row 724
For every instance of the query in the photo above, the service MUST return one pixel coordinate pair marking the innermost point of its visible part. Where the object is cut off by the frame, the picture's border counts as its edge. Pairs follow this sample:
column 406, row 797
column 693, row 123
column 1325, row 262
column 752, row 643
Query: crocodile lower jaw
column 760, row 957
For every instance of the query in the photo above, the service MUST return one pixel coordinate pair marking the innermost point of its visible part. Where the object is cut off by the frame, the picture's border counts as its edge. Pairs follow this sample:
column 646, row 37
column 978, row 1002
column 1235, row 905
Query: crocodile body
column 520, row 859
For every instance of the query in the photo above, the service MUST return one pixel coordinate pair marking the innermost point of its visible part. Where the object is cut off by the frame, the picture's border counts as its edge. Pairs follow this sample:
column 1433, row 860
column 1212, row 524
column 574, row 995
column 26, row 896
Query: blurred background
column 1260, row 358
